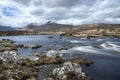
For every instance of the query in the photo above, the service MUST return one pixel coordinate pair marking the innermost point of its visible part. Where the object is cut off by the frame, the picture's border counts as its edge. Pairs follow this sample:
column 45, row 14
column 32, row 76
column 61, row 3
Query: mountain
column 97, row 29
column 49, row 26
column 94, row 30
column 6, row 28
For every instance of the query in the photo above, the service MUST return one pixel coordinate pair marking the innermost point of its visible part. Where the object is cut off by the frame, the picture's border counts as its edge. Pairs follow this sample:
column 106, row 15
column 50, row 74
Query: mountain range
column 55, row 27
column 96, row 29
column 6, row 28
column 49, row 26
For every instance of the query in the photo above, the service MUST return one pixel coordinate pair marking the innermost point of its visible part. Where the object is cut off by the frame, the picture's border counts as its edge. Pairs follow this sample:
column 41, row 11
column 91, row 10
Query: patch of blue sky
column 11, row 12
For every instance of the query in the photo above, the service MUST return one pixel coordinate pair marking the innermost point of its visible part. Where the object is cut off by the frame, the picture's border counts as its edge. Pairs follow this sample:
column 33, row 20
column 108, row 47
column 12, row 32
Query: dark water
column 104, row 52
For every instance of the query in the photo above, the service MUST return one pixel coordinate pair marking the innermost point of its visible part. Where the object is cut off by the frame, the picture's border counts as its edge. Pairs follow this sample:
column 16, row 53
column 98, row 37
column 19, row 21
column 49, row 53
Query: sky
column 19, row 13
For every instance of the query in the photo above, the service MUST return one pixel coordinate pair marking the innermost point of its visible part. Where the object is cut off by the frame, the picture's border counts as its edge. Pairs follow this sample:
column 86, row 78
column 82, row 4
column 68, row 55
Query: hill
column 100, row 29
column 49, row 27
column 92, row 30
column 6, row 28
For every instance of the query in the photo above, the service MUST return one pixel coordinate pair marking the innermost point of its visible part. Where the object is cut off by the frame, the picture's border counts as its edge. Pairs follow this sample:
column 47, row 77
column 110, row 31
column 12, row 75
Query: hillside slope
column 49, row 26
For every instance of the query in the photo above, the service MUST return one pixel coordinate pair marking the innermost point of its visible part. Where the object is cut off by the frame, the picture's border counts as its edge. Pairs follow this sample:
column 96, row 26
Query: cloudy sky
column 18, row 13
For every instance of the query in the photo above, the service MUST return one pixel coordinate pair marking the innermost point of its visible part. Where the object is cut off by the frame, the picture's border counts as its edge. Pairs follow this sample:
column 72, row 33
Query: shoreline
column 62, row 34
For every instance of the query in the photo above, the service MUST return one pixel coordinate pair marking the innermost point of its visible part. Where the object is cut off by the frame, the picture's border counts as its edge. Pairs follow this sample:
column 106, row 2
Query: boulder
column 50, row 37
column 35, row 46
column 69, row 71
column 63, row 48
column 23, row 46
column 66, row 34
column 9, row 55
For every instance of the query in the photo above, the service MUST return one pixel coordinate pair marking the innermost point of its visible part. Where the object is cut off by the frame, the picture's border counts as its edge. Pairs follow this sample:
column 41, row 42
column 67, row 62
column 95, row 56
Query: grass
column 2, row 48
column 6, row 44
column 82, row 61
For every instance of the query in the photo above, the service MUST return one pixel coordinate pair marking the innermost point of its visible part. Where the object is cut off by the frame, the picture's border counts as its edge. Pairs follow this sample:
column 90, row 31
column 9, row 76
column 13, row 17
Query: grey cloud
column 37, row 2
column 116, row 15
column 70, row 11
column 87, row 2
column 23, row 2
column 56, row 13
column 85, row 11
column 60, row 3
column 37, row 12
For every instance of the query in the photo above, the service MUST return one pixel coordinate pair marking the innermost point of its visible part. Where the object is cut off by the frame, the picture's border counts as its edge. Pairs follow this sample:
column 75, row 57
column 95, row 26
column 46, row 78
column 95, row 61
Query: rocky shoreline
column 14, row 66
column 90, row 35
column 82, row 34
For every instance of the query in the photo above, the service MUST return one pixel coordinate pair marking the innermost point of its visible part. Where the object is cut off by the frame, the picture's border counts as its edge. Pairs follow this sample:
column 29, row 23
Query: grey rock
column 69, row 71
column 9, row 55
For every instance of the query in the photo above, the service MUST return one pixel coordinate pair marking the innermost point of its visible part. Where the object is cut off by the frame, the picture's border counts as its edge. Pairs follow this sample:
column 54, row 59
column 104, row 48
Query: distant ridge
column 54, row 27
column 98, row 26
column 6, row 28
column 94, row 30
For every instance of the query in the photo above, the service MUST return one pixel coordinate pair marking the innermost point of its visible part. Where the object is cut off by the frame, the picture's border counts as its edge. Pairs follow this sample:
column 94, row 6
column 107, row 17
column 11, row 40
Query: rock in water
column 69, row 71
column 35, row 46
column 50, row 37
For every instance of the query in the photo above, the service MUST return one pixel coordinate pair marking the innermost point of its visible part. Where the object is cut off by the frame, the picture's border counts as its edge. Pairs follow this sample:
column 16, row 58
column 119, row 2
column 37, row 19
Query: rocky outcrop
column 11, row 70
column 9, row 55
column 69, row 71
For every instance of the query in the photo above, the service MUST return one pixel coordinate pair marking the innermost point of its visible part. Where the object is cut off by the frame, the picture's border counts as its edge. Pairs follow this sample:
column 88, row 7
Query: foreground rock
column 10, row 55
column 14, row 66
column 69, row 71
column 11, row 70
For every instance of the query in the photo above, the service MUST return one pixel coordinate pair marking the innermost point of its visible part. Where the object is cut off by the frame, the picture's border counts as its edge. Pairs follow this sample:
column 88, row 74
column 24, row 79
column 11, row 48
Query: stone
column 50, row 37
column 9, row 55
column 69, row 71
column 23, row 46
column 35, row 46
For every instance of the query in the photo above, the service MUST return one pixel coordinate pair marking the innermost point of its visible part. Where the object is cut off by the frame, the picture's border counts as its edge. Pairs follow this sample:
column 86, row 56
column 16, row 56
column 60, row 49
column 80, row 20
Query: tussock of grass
column 6, row 44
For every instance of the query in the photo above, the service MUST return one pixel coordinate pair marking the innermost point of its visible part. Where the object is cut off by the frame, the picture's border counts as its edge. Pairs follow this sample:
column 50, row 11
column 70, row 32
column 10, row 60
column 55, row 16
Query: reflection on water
column 104, row 52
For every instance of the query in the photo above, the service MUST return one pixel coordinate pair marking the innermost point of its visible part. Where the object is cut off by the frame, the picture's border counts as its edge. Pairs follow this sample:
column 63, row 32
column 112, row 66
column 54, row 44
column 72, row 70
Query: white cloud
column 61, row 11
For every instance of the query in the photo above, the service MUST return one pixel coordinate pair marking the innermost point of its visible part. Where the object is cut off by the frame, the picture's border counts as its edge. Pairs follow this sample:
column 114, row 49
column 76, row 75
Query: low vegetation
column 25, row 68
column 82, row 61
column 6, row 44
